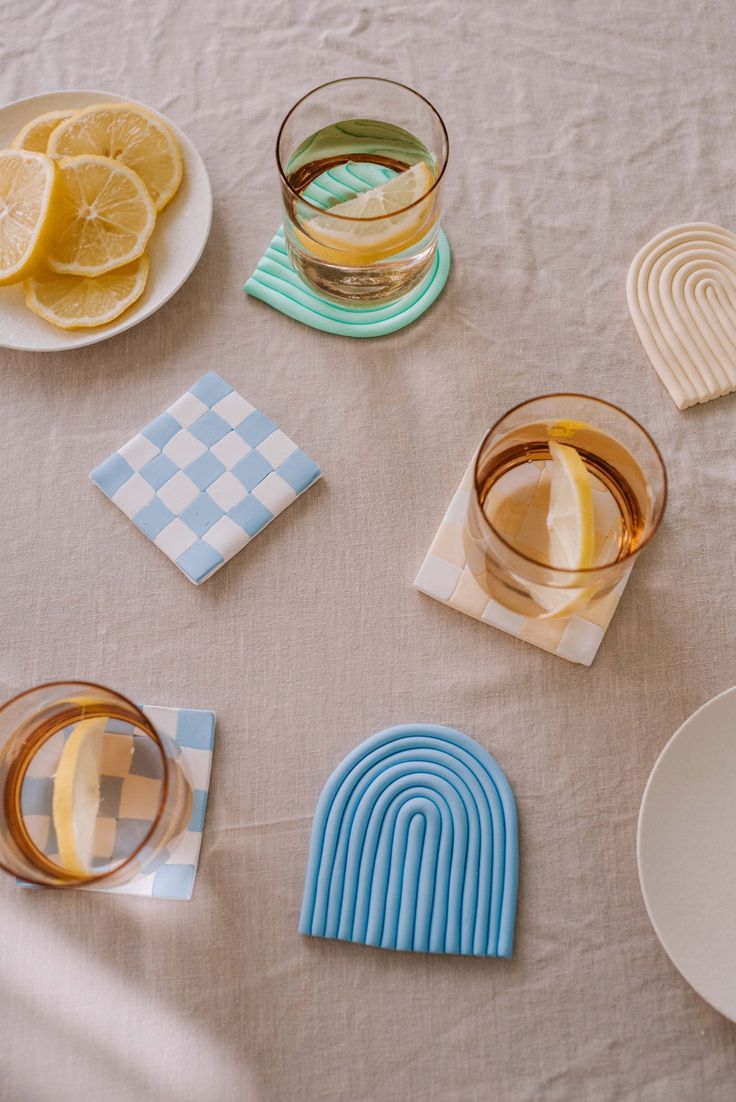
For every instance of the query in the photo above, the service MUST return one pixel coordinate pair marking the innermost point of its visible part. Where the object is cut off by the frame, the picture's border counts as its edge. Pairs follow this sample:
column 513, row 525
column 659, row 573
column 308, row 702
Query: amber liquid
column 346, row 277
column 513, row 490
column 28, row 777
column 305, row 174
column 621, row 502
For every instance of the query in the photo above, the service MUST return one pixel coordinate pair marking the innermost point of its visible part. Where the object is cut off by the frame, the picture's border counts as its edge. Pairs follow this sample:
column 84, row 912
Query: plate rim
column 730, row 1013
column 89, row 337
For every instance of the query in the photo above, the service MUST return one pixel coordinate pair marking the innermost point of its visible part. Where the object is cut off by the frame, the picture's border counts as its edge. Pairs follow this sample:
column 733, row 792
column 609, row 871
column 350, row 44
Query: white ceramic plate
column 174, row 249
column 687, row 851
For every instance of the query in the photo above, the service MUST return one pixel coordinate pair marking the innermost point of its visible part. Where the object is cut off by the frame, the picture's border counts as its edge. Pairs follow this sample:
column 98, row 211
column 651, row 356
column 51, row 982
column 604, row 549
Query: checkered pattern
column 205, row 477
column 444, row 575
column 129, row 794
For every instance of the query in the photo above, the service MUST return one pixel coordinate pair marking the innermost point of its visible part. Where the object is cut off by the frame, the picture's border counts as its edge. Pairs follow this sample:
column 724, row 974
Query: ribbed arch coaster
column 415, row 847
column 681, row 291
column 275, row 282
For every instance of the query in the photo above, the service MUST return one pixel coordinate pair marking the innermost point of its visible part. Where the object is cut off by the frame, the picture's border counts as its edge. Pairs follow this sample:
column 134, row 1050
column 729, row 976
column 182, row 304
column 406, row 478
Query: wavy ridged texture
column 681, row 291
column 276, row 283
column 415, row 847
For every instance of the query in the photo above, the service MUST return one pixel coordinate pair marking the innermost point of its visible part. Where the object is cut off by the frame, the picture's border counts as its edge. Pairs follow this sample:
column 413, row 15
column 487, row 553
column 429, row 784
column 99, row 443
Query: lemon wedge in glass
column 570, row 519
column 366, row 227
column 76, row 795
column 571, row 528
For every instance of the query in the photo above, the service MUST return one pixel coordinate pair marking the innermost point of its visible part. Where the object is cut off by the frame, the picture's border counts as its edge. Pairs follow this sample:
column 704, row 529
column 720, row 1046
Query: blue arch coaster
column 415, row 847
column 276, row 283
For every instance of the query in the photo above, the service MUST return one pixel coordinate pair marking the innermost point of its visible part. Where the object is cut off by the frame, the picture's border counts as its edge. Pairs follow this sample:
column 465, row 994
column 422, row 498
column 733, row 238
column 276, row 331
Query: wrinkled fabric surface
column 578, row 129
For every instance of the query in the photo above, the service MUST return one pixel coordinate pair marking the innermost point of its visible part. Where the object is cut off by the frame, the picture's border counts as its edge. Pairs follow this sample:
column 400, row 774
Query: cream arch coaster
column 681, row 291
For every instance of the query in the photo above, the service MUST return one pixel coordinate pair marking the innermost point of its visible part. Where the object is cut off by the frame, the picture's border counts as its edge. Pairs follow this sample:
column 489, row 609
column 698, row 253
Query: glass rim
column 376, row 217
column 567, row 570
column 148, row 728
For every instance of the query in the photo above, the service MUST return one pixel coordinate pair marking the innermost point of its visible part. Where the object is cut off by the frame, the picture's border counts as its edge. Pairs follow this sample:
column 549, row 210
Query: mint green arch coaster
column 276, row 283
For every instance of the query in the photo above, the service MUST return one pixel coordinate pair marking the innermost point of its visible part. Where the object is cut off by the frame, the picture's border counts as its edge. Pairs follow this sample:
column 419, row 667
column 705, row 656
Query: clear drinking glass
column 126, row 787
column 345, row 138
column 506, row 534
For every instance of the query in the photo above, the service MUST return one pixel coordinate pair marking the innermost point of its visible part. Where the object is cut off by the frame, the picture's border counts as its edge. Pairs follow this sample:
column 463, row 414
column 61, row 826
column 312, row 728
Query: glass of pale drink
column 567, row 491
column 362, row 162
column 93, row 794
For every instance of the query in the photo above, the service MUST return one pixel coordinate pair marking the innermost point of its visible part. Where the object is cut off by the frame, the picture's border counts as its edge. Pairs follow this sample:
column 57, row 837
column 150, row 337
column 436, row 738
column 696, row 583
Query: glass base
column 367, row 286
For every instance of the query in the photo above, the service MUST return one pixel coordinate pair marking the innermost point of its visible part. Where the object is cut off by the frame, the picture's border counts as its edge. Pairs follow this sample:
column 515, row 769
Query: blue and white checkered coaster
column 129, row 795
column 206, row 476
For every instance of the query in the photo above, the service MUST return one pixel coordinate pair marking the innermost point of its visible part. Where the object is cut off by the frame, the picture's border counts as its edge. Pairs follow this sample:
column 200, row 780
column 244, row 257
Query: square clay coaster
column 444, row 575
column 205, row 477
column 129, row 798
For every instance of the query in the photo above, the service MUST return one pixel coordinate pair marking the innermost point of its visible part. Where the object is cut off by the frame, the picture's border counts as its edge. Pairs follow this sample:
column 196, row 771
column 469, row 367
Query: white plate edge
column 90, row 338
column 729, row 1014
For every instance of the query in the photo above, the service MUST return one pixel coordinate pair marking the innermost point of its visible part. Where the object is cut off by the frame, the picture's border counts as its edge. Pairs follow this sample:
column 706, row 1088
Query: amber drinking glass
column 507, row 534
column 362, row 163
column 92, row 794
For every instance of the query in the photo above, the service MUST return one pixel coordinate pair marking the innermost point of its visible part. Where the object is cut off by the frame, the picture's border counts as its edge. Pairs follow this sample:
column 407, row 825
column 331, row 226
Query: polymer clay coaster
column 129, row 796
column 445, row 576
column 276, row 283
column 681, row 291
column 205, row 477
column 415, row 847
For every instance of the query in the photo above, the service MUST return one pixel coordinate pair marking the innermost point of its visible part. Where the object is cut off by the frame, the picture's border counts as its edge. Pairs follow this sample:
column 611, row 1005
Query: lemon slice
column 571, row 527
column 570, row 519
column 76, row 795
column 372, row 240
column 35, row 134
column 130, row 135
column 29, row 189
column 106, row 217
column 83, row 302
column 562, row 430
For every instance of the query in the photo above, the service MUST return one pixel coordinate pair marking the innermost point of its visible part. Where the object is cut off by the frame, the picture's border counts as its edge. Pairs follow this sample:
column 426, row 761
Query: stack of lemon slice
column 79, row 196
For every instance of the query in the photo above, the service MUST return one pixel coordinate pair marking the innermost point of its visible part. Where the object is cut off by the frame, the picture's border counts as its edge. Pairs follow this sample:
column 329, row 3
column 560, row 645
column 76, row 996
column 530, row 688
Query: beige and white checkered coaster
column 444, row 575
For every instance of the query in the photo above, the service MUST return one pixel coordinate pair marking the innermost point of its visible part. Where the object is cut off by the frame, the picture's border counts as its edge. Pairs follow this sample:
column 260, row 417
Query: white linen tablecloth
column 578, row 130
